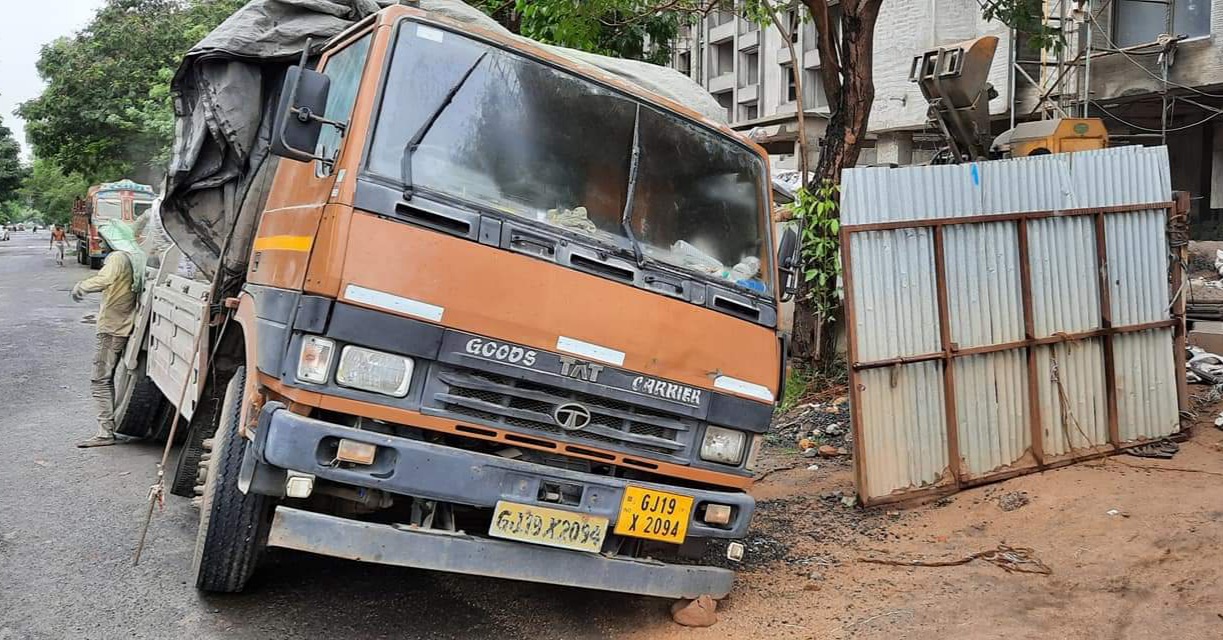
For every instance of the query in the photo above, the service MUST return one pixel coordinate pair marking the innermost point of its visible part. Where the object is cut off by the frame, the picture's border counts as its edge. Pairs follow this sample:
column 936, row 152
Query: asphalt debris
column 1013, row 500
column 815, row 425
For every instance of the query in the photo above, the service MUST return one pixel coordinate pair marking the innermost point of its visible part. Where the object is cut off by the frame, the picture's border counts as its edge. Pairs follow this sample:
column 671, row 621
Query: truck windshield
column 529, row 140
column 107, row 209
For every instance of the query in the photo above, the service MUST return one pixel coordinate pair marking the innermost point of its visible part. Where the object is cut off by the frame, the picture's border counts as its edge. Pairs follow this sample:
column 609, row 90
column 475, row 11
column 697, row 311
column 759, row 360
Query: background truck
column 125, row 200
column 448, row 332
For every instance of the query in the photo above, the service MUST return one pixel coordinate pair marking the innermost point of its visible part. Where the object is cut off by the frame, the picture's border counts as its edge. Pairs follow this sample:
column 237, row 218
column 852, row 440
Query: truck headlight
column 315, row 359
column 376, row 371
column 723, row 445
column 753, row 452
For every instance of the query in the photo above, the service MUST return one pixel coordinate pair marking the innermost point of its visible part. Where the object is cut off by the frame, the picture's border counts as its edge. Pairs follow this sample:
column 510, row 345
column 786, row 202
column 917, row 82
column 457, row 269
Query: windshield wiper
column 632, row 188
column 405, row 162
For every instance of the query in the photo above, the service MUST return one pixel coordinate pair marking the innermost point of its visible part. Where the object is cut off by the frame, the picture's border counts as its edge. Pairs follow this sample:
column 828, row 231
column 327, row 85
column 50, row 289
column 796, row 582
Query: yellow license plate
column 654, row 515
column 549, row 527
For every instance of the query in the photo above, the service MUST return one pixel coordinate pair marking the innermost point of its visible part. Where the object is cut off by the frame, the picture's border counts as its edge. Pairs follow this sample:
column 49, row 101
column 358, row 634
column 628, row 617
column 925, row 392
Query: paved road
column 69, row 519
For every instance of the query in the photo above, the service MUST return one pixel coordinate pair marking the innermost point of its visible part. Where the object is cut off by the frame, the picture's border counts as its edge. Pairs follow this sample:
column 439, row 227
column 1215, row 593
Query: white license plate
column 549, row 527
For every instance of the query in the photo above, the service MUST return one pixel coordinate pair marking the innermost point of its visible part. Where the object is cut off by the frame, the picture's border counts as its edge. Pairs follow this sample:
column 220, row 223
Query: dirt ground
column 1134, row 546
column 1202, row 271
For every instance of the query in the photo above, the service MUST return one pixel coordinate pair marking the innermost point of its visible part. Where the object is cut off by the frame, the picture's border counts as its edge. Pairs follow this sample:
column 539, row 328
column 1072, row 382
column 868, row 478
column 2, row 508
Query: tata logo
column 584, row 371
column 571, row 416
column 492, row 350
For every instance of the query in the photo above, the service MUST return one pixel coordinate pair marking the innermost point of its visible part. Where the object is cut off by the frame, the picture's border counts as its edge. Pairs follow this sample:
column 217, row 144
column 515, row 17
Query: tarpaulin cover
column 121, row 237
column 226, row 92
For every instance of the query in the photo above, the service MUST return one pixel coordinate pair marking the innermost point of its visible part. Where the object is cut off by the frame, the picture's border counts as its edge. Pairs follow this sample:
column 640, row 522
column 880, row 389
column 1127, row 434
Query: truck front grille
column 522, row 405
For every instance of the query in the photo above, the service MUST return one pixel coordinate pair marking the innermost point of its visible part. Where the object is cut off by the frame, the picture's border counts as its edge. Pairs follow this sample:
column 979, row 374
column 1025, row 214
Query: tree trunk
column 851, row 113
column 847, row 72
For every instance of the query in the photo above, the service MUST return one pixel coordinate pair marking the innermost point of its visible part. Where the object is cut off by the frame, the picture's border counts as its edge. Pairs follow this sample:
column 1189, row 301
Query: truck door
column 298, row 202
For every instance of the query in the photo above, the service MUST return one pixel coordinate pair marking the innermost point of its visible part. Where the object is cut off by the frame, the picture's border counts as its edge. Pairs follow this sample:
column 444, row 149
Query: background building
column 1150, row 68
column 749, row 70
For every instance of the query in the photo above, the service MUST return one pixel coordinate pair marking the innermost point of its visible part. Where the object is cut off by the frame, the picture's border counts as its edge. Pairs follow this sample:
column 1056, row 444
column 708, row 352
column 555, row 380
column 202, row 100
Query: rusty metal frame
column 954, row 478
column 1179, row 259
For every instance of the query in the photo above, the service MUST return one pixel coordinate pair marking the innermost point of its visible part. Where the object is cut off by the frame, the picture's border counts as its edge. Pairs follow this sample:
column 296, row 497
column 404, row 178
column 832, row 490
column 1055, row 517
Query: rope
column 157, row 492
column 1063, row 401
column 1178, row 230
column 1009, row 559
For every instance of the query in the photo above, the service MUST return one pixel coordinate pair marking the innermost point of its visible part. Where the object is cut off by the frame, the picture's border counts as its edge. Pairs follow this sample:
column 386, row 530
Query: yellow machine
column 1060, row 135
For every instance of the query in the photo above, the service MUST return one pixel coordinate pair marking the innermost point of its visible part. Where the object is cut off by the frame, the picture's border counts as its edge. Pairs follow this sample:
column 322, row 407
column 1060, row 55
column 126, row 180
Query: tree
column 49, row 192
column 1026, row 17
column 631, row 29
column 847, row 73
column 106, row 110
column 11, row 171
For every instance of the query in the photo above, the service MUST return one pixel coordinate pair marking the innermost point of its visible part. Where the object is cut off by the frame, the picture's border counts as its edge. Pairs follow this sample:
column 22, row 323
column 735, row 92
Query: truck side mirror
column 299, row 115
column 787, row 264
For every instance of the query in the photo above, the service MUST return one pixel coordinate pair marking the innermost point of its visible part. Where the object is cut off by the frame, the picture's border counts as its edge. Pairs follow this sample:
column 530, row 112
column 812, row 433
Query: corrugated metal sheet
column 983, row 284
column 881, row 194
column 1062, row 253
column 895, row 311
column 1073, row 400
column 1138, row 289
column 903, row 427
column 992, row 410
column 1146, row 384
column 896, row 307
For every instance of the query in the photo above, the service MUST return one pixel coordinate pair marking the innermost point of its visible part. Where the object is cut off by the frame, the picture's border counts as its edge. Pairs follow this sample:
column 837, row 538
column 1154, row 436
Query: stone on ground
column 701, row 612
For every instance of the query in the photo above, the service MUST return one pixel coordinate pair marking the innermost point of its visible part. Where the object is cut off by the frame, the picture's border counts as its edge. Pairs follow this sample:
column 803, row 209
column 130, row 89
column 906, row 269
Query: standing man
column 115, row 320
column 57, row 243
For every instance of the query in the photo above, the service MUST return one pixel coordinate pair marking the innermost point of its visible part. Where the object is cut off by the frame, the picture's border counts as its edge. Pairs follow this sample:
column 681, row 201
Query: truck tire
column 161, row 426
column 203, row 426
column 233, row 526
column 139, row 403
column 80, row 255
column 95, row 263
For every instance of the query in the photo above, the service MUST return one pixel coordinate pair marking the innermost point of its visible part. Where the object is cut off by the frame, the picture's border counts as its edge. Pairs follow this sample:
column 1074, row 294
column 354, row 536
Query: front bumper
column 462, row 553
column 288, row 441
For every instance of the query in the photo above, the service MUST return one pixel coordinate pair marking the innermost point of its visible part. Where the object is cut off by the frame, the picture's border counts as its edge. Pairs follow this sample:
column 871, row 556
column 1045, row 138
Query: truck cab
column 504, row 314
column 121, row 200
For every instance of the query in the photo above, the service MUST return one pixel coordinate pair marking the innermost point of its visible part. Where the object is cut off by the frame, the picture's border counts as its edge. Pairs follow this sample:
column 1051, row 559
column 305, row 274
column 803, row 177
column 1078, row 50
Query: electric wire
column 1150, row 130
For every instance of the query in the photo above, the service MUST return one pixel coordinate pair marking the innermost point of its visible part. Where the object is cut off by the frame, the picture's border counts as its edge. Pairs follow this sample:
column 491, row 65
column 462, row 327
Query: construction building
column 1150, row 68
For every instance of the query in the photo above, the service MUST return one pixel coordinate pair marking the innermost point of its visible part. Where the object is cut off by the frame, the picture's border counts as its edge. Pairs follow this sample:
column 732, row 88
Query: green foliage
column 619, row 28
column 10, row 212
column 817, row 212
column 755, row 11
column 106, row 110
column 1025, row 16
column 800, row 381
column 49, row 193
column 11, row 171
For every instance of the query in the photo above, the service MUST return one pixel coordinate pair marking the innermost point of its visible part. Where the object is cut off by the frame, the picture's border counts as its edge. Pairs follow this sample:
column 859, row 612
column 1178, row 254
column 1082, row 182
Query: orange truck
column 500, row 314
column 124, row 200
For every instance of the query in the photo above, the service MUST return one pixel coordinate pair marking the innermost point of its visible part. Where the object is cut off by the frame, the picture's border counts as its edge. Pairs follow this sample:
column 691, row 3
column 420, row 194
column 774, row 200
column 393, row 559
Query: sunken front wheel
column 233, row 525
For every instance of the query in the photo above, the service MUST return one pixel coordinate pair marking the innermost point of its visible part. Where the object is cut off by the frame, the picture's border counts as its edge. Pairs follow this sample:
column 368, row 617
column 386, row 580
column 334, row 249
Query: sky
column 26, row 26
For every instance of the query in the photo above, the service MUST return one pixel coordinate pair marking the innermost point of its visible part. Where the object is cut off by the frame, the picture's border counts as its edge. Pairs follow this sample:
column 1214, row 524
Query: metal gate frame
column 950, row 352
